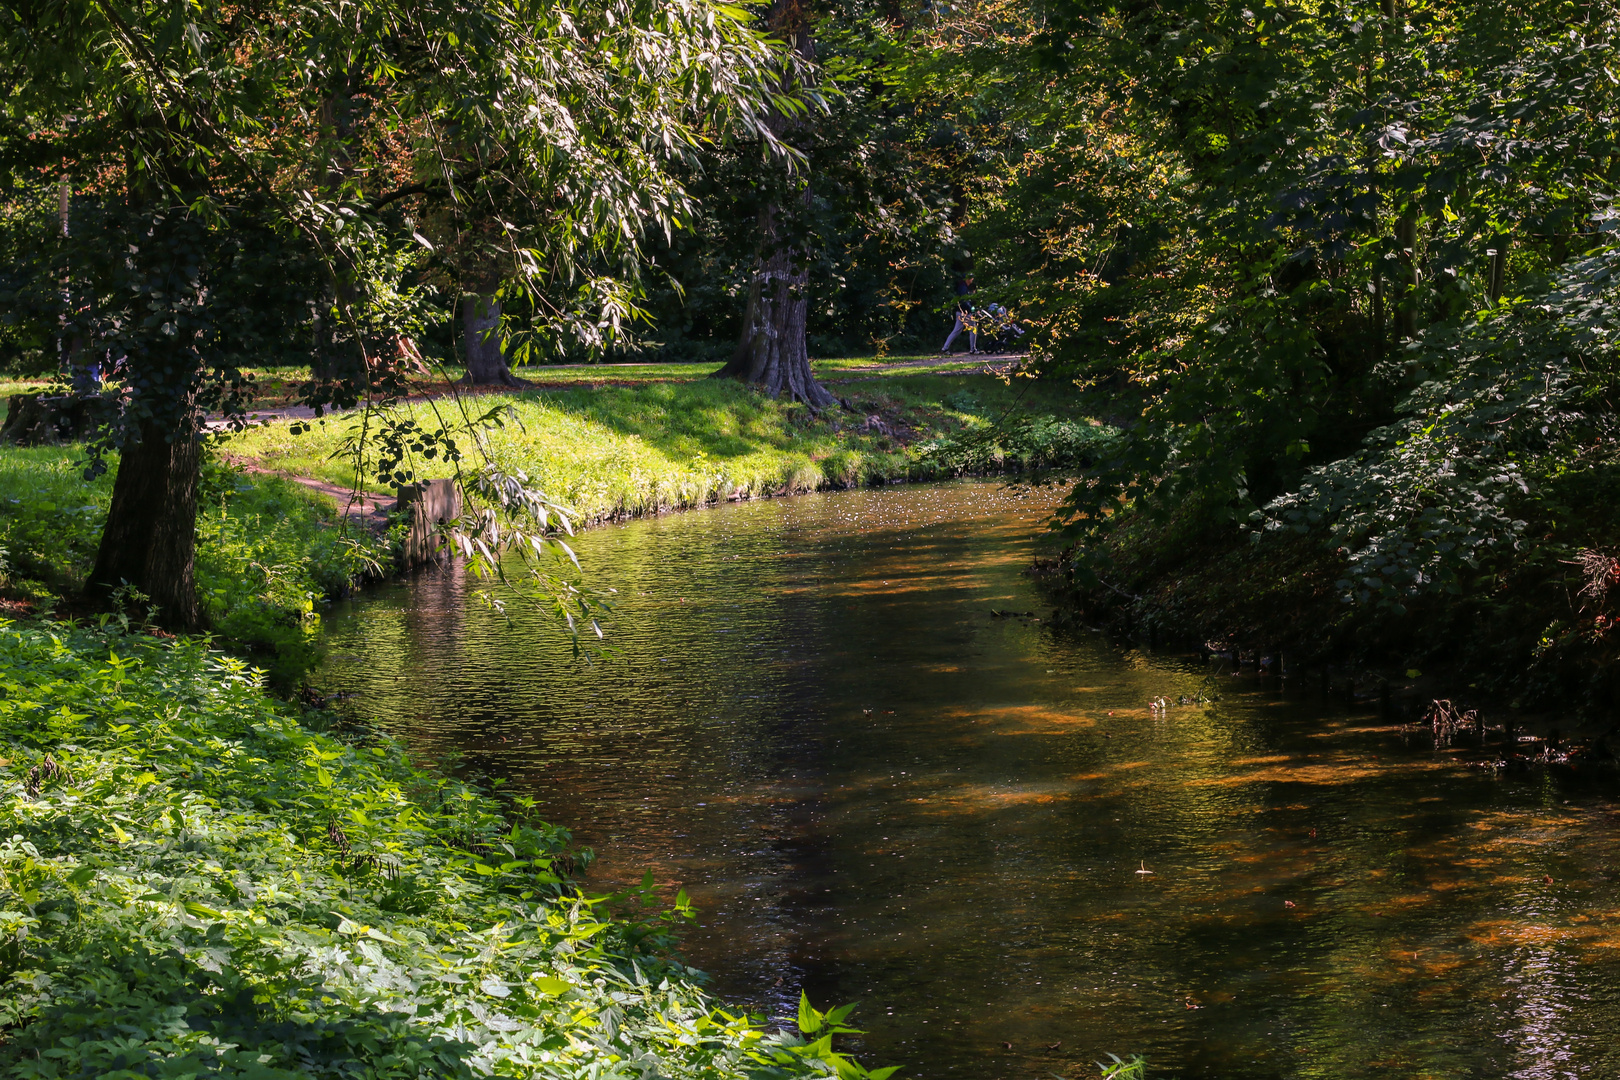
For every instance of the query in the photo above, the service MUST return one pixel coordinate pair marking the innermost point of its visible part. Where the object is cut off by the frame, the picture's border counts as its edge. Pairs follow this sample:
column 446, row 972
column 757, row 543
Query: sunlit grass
column 611, row 451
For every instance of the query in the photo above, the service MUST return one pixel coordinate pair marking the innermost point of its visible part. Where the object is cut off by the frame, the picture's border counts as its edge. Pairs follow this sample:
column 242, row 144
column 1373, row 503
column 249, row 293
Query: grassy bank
column 198, row 880
column 268, row 550
column 612, row 451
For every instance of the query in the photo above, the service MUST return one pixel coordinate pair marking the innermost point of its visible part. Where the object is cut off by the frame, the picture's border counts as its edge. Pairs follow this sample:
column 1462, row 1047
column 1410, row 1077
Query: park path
column 359, row 508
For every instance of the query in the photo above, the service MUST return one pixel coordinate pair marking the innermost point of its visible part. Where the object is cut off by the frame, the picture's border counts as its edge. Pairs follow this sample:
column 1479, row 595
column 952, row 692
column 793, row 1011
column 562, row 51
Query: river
column 876, row 789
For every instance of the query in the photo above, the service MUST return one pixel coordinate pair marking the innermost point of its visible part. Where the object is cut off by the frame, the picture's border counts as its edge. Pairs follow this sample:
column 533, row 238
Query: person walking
column 964, row 318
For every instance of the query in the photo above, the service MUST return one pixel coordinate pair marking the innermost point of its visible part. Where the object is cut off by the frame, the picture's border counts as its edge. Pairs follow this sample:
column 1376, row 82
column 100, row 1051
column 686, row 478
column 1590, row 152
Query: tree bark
column 485, row 348
column 1406, row 306
column 1498, row 268
column 150, row 541
column 772, row 350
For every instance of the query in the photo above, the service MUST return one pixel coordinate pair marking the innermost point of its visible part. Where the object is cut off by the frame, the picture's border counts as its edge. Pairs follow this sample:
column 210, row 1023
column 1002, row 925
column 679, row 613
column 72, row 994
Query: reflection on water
column 975, row 825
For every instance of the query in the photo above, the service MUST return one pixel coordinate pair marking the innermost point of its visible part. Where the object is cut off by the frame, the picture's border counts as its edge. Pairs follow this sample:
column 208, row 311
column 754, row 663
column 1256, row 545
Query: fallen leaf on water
column 1289, row 904
column 1191, row 1004
column 1313, row 832
column 1548, row 879
column 1055, row 1045
column 1144, row 869
column 1008, row 1045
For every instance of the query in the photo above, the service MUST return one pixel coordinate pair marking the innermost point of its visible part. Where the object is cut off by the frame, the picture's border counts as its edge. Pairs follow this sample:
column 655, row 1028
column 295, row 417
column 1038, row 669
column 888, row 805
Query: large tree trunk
column 772, row 351
column 150, row 541
column 486, row 349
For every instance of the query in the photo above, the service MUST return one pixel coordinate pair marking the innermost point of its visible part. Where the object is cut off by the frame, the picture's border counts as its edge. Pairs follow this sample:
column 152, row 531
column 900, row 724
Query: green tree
column 1261, row 222
column 274, row 172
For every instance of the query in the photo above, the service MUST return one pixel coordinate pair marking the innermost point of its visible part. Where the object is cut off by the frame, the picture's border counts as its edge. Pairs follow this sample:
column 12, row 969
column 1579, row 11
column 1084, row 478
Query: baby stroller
column 996, row 328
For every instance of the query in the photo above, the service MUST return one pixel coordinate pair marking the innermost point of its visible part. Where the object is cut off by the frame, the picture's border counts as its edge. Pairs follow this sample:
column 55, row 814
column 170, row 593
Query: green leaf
column 837, row 1016
column 809, row 1019
column 548, row 984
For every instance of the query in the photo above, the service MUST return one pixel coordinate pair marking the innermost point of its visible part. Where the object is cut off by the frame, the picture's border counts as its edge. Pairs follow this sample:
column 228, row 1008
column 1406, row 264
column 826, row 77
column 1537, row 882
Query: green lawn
column 610, row 450
column 281, row 381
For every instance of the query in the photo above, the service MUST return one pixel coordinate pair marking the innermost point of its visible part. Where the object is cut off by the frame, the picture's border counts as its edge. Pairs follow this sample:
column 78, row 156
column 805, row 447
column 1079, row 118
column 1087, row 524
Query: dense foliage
column 193, row 880
column 1340, row 272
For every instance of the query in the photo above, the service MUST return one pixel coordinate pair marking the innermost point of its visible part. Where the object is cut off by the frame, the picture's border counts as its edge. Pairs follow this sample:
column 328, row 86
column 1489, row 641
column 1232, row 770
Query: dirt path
column 366, row 510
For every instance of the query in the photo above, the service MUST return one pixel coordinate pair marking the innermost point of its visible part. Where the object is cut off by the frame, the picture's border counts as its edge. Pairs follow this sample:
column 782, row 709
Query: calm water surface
column 876, row 790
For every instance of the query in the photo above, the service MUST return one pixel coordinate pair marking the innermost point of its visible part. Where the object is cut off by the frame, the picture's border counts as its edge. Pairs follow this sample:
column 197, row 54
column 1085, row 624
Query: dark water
column 875, row 790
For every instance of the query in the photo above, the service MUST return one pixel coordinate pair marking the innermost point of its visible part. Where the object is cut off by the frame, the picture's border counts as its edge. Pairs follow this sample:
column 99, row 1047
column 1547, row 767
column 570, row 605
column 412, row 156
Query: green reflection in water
column 876, row 790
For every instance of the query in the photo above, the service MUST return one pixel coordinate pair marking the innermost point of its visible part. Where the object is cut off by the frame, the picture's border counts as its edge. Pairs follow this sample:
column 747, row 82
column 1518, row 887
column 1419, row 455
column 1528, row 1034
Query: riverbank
column 614, row 451
column 272, row 546
column 201, row 879
column 1525, row 639
column 269, row 552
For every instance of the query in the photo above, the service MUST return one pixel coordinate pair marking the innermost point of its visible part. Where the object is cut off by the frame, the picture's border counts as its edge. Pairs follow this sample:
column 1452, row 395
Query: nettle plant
column 1510, row 401
column 195, row 880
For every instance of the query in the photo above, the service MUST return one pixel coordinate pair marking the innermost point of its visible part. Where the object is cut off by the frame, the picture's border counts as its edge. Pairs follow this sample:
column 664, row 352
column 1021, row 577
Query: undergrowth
column 268, row 551
column 196, row 880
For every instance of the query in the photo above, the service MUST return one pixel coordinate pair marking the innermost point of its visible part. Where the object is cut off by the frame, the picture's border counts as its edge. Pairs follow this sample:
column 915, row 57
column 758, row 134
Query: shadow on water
column 876, row 790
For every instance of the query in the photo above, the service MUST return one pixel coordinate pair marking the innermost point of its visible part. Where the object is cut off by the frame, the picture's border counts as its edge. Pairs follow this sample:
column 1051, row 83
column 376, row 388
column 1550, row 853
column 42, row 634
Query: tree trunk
column 1498, row 268
column 1406, row 305
column 772, row 351
column 150, row 541
column 486, row 352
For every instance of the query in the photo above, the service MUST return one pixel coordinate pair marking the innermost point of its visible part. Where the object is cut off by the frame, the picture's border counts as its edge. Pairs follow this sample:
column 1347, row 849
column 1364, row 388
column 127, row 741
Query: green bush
column 193, row 881
column 1039, row 442
column 268, row 552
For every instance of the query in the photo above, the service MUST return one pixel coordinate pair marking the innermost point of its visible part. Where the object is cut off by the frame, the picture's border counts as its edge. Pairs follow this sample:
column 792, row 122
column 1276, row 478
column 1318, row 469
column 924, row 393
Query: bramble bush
column 195, row 880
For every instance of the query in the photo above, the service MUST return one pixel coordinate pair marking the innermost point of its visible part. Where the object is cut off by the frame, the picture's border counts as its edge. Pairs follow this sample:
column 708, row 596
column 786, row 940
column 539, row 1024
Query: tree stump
column 431, row 503
column 44, row 419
